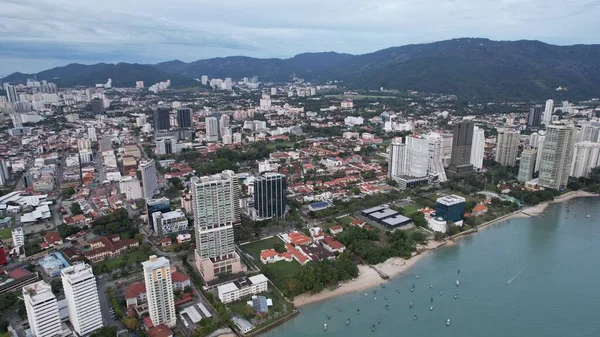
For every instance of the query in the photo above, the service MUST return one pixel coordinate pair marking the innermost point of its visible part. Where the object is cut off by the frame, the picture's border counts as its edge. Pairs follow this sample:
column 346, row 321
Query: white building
column 417, row 150
column 42, row 310
column 538, row 158
column 585, row 157
column 547, row 116
column 242, row 288
column 347, row 104
column 139, row 84
column 130, row 186
column 436, row 161
column 527, row 165
column 83, row 303
column 396, row 160
column 92, row 134
column 590, row 131
column 265, row 101
column 140, row 121
column 353, row 121
column 506, row 147
column 216, row 209
column 18, row 237
column 478, row 148
column 169, row 222
column 212, row 129
column 204, row 79
column 149, row 178
column 159, row 291
column 224, row 125
column 557, row 154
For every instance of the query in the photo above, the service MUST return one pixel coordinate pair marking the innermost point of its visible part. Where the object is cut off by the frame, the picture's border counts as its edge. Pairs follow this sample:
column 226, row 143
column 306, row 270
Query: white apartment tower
column 538, row 159
column 42, row 310
column 81, row 292
column 478, row 148
column 436, row 162
column 417, row 149
column 224, row 125
column 204, row 80
column 590, row 131
column 212, row 129
column 585, row 157
column 557, row 153
column 215, row 203
column 397, row 160
column 92, row 134
column 159, row 291
column 506, row 147
column 149, row 179
column 527, row 165
column 547, row 116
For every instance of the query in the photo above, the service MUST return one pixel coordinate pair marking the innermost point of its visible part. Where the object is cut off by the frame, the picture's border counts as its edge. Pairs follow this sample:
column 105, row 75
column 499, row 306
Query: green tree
column 279, row 248
column 75, row 208
column 56, row 286
column 130, row 323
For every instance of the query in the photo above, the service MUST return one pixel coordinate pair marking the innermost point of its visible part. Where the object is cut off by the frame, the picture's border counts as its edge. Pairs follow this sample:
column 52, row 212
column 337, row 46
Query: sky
column 40, row 34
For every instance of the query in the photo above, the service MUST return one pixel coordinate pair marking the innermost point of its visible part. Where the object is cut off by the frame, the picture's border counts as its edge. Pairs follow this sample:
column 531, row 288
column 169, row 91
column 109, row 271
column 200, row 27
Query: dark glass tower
column 161, row 119
column 269, row 195
column 184, row 118
column 462, row 141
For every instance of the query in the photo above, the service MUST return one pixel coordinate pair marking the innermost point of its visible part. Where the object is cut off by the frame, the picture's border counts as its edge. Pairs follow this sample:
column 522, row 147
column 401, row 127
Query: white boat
column 587, row 216
column 457, row 283
column 325, row 327
column 448, row 322
column 431, row 308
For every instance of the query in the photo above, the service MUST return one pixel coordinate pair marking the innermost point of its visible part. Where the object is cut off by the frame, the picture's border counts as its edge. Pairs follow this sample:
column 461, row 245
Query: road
column 105, row 304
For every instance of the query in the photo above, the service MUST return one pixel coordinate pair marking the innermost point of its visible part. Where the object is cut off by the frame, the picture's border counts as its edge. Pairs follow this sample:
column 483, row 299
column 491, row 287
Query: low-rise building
column 109, row 246
column 242, row 288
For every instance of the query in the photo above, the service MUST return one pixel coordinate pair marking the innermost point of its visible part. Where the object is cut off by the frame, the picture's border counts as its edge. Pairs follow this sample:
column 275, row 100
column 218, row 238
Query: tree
column 279, row 248
column 248, row 312
column 65, row 230
column 68, row 192
column 76, row 208
column 56, row 286
column 130, row 323
column 438, row 236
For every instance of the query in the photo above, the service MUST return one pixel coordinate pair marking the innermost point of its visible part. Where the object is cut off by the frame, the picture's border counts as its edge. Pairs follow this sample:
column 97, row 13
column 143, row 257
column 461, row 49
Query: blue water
column 552, row 262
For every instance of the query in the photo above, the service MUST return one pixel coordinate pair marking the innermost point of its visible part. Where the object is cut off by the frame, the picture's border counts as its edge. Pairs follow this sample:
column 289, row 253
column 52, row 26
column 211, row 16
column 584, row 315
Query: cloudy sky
column 40, row 34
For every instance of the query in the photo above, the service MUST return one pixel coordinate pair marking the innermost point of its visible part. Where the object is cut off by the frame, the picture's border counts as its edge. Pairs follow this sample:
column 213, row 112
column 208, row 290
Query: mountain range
column 472, row 68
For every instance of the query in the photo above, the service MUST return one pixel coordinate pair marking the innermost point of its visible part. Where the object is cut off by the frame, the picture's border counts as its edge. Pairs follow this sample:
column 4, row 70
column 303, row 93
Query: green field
column 346, row 220
column 255, row 248
column 286, row 270
column 5, row 233
column 410, row 208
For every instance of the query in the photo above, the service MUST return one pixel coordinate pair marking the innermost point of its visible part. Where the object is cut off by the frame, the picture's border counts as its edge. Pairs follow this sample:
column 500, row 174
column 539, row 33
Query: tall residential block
column 535, row 116
column 397, row 160
column 585, row 157
column 149, row 178
column 590, row 131
column 506, row 147
column 162, row 119
column 557, row 153
column 159, row 291
column 527, row 165
column 547, row 117
column 478, row 148
column 269, row 195
column 184, row 118
column 460, row 162
column 42, row 310
column 215, row 202
column 83, row 303
column 212, row 129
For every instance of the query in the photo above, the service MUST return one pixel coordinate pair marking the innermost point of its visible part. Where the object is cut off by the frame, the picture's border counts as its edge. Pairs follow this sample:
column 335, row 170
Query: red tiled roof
column 336, row 227
column 298, row 238
column 333, row 243
column 19, row 273
column 479, row 208
column 148, row 322
column 160, row 330
column 268, row 253
column 134, row 289
column 52, row 237
column 179, row 277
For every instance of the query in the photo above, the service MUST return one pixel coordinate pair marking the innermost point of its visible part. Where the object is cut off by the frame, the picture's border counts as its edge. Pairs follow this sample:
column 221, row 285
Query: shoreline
column 368, row 278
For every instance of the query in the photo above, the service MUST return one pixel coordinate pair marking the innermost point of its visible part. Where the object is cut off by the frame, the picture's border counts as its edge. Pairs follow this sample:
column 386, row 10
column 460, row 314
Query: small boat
column 414, row 317
column 373, row 328
column 457, row 283
column 340, row 309
column 325, row 327
column 382, row 285
column 458, row 271
column 417, row 277
column 379, row 321
column 455, row 296
column 348, row 321
column 365, row 294
column 385, row 298
column 413, row 286
column 410, row 305
column 431, row 308
column 375, row 291
column 328, row 316
column 375, row 297
column 431, row 300
column 430, row 286
column 358, row 311
column 448, row 322
column 440, row 293
column 587, row 216
column 411, row 290
column 397, row 290
column 387, row 307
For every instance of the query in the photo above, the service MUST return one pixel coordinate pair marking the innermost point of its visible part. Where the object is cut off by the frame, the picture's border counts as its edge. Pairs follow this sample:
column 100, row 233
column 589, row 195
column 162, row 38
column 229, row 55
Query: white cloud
column 151, row 31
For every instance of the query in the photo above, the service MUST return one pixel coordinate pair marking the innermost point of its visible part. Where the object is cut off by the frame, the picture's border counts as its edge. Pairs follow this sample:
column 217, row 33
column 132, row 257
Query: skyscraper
column 538, row 158
column 96, row 106
column 557, row 153
column 216, row 210
column 149, row 179
column 223, row 124
column 92, row 134
column 162, row 120
column 590, row 131
column 159, row 291
column 585, row 157
column 547, row 118
column 527, row 165
column 506, row 147
column 460, row 163
column 436, row 162
column 397, row 160
column 204, row 80
column 417, row 162
column 11, row 93
column 162, row 205
column 212, row 129
column 269, row 195
column 184, row 118
column 477, row 148
column 535, row 116
column 81, row 292
column 417, row 150
column 42, row 310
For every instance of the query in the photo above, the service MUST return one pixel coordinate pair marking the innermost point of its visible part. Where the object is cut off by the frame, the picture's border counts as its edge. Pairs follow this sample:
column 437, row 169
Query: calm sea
column 551, row 264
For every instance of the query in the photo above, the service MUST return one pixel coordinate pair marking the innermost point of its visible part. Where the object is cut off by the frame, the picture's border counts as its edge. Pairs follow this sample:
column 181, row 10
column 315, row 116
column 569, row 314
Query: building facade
column 547, row 117
column 557, row 153
column 450, row 208
column 585, row 157
column 184, row 118
column 269, row 195
column 478, row 148
column 527, row 165
column 42, row 310
column 507, row 146
column 242, row 288
column 83, row 303
column 534, row 119
column 173, row 222
column 212, row 129
column 462, row 141
column 162, row 119
column 215, row 202
column 159, row 291
column 149, row 178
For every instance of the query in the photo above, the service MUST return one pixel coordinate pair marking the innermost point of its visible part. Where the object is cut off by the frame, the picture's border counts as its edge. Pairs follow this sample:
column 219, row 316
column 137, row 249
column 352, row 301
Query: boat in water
column 431, row 308
column 417, row 277
column 440, row 293
column 430, row 286
column 325, row 327
column 448, row 322
column 387, row 307
column 358, row 311
column 457, row 283
column 397, row 290
column 385, row 298
column 414, row 317
column 382, row 285
column 411, row 290
column 587, row 216
column 348, row 321
column 340, row 309
column 410, row 305
column 455, row 296
column 373, row 328
column 379, row 321
column 431, row 300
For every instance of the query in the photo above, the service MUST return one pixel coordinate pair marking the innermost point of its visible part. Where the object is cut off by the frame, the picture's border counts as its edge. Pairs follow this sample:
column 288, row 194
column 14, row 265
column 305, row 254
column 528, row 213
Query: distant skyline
column 40, row 34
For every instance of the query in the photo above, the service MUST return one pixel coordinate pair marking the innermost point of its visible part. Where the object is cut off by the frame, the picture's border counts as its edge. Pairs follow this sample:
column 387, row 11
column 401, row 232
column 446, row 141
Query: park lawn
column 133, row 257
column 5, row 233
column 346, row 220
column 256, row 247
column 410, row 208
column 286, row 270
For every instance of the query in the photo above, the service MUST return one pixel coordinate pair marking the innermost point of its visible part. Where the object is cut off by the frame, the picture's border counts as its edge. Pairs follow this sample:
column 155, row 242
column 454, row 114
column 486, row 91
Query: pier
column 381, row 274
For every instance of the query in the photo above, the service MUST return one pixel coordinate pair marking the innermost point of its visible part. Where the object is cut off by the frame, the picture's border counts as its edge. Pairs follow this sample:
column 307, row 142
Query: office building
column 477, row 148
column 242, row 288
column 269, row 195
column 11, row 93
column 224, row 125
column 184, row 118
column 585, row 157
column 527, row 165
column 557, row 154
column 92, row 134
column 167, row 223
column 506, row 147
column 97, row 106
column 162, row 205
column 212, row 129
column 149, row 178
column 460, row 162
column 450, row 208
column 534, row 119
column 18, row 237
column 162, row 119
column 166, row 145
column 42, row 310
column 139, row 84
column 547, row 117
column 159, row 291
column 215, row 201
column 83, row 303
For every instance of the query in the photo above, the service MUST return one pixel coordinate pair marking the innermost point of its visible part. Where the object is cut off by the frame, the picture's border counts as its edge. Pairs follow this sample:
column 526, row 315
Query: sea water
column 535, row 276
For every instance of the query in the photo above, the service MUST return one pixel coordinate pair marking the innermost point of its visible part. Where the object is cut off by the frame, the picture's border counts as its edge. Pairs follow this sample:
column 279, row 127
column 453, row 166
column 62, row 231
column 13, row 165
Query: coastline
column 368, row 277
